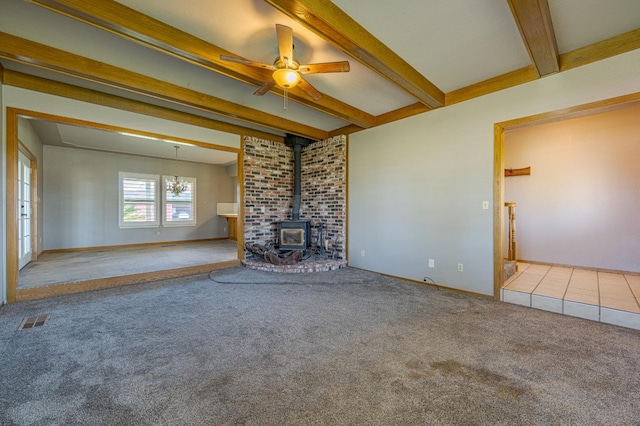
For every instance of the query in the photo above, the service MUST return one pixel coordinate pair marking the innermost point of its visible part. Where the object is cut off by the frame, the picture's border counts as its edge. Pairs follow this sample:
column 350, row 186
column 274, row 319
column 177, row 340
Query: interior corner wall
column 416, row 186
column 581, row 203
column 268, row 181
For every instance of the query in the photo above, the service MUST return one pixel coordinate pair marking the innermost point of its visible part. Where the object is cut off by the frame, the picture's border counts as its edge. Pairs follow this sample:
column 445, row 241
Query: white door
column 24, row 210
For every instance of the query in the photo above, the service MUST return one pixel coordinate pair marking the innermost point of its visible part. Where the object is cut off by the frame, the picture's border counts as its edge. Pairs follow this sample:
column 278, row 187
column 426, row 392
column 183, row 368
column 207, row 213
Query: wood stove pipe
column 297, row 143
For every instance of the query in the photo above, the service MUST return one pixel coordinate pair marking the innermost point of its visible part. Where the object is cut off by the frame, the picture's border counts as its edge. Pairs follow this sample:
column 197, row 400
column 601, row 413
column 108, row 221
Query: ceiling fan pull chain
column 286, row 98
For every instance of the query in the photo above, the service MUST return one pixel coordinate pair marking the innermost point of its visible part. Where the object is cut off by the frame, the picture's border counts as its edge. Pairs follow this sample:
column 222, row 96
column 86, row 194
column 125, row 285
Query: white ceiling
column 453, row 43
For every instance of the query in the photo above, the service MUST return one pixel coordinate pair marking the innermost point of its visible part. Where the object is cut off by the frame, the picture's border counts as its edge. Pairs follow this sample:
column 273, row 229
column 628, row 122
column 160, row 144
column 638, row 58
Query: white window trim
column 171, row 223
column 148, row 224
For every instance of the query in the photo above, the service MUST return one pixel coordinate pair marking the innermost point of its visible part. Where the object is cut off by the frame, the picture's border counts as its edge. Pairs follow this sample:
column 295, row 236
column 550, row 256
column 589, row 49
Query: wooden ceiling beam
column 140, row 28
column 35, row 54
column 534, row 22
column 400, row 113
column 331, row 23
column 491, row 85
column 598, row 51
column 346, row 130
column 387, row 117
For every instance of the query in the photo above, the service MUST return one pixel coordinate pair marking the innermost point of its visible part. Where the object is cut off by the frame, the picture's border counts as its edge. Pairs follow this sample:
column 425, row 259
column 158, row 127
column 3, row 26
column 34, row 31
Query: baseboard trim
column 125, row 246
column 53, row 290
column 438, row 286
column 443, row 287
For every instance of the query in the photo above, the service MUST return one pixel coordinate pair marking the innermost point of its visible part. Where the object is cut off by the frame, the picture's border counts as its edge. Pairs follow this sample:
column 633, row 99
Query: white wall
column 232, row 171
column 416, row 186
column 581, row 203
column 81, row 198
column 29, row 138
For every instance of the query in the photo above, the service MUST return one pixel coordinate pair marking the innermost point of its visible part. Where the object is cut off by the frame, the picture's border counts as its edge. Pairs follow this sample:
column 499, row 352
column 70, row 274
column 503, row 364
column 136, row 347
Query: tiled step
column 575, row 309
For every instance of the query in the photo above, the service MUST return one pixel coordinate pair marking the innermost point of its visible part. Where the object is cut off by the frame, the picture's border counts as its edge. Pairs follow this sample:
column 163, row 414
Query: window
column 139, row 199
column 179, row 210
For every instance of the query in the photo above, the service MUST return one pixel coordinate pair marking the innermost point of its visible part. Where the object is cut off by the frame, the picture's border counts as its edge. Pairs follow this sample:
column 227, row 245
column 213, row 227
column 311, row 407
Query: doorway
column 499, row 165
column 25, row 239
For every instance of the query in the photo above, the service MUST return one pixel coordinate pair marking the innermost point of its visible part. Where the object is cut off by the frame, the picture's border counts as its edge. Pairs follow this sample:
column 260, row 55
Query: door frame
column 11, row 179
column 499, row 130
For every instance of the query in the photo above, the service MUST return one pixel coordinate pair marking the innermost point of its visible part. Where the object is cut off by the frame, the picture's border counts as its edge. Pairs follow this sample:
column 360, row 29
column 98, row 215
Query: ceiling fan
column 287, row 71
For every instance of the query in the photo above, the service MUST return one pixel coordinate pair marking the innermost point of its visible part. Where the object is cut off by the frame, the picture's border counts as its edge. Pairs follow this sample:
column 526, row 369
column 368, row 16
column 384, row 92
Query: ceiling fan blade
column 247, row 62
column 342, row 66
column 309, row 89
column 285, row 44
column 265, row 87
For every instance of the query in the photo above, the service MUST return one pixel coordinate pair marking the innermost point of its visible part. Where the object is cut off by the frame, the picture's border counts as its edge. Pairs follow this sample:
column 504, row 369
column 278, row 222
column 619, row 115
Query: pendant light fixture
column 177, row 186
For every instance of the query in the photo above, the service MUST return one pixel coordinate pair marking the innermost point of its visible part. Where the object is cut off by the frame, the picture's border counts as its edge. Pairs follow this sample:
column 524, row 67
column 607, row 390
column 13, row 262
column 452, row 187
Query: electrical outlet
column 362, row 253
column 224, row 229
column 432, row 263
column 460, row 267
column 485, row 205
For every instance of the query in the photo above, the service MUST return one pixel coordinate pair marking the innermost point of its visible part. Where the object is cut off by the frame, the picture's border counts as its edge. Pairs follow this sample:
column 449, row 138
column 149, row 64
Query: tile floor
column 607, row 297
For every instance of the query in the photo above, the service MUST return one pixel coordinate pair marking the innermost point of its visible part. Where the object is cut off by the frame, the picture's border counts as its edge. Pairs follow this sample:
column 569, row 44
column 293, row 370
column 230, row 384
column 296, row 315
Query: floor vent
column 33, row 322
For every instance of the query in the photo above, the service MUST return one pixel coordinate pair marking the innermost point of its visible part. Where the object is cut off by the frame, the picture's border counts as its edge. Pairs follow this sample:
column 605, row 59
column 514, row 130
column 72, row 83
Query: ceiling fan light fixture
column 286, row 78
column 287, row 71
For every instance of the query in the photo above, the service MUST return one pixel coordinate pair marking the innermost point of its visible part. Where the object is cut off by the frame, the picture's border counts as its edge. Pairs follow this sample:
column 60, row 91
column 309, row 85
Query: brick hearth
column 310, row 265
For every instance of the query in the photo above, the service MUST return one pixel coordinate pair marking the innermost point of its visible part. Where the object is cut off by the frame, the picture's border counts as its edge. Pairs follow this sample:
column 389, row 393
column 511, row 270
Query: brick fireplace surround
column 268, row 197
